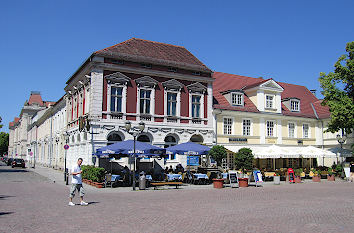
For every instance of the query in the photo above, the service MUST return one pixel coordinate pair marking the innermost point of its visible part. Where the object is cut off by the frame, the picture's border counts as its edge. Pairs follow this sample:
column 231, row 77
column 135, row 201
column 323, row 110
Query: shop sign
column 238, row 140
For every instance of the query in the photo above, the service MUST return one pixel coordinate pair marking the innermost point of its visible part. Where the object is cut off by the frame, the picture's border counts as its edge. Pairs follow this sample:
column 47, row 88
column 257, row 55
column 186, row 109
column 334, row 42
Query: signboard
column 347, row 172
column 233, row 178
column 193, row 160
column 291, row 175
column 257, row 177
column 66, row 147
column 238, row 140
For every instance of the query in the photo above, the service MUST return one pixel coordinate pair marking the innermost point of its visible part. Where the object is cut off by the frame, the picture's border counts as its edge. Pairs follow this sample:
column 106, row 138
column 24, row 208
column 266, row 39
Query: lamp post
column 66, row 179
column 341, row 140
column 135, row 131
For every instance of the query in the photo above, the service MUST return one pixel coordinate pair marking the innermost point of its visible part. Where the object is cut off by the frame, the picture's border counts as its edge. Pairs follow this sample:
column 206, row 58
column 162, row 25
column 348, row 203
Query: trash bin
column 276, row 179
column 142, row 181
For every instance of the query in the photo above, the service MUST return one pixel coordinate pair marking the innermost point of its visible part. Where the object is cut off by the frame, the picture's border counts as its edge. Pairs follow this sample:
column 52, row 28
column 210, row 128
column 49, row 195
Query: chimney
column 313, row 91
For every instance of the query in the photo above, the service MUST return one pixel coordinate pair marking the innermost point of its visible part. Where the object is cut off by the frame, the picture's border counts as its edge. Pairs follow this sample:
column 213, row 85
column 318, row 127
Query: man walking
column 76, row 183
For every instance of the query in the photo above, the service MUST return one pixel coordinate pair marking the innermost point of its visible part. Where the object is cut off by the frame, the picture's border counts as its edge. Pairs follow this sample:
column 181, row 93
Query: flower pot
column 243, row 182
column 218, row 183
column 331, row 178
column 316, row 178
column 297, row 179
column 276, row 180
column 99, row 185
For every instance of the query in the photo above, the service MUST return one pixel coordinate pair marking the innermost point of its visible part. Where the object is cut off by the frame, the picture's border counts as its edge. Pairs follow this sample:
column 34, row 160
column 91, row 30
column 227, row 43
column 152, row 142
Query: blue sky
column 42, row 43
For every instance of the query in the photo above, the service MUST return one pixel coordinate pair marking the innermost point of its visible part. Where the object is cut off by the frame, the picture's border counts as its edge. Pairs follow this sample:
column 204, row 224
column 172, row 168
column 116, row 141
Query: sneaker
column 71, row 204
column 84, row 203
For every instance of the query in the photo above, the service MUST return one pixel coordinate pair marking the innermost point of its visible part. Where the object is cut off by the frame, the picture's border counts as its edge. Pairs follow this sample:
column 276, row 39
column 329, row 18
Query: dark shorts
column 79, row 189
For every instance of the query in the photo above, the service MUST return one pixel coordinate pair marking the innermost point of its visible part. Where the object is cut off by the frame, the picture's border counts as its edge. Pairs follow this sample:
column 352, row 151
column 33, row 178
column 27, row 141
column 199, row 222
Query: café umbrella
column 188, row 148
column 142, row 150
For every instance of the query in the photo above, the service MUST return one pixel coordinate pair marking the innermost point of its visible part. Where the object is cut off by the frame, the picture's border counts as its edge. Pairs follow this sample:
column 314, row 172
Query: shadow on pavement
column 92, row 202
column 12, row 170
column 5, row 196
column 4, row 213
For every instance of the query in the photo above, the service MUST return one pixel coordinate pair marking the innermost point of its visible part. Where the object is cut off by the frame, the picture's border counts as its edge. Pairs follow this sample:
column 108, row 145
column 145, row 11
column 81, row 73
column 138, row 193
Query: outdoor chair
column 108, row 180
column 209, row 180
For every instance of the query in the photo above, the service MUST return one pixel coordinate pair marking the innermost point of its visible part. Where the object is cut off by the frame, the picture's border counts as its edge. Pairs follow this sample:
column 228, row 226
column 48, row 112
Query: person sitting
column 170, row 170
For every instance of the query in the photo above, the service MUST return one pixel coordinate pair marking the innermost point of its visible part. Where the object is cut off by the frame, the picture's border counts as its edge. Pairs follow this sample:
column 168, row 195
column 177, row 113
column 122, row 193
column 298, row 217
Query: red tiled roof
column 16, row 119
column 35, row 98
column 224, row 82
column 47, row 103
column 11, row 124
column 140, row 50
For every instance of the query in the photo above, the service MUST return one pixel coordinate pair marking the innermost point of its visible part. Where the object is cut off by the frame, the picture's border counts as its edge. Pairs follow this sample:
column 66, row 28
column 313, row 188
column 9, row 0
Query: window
column 305, row 130
column 116, row 99
column 237, row 99
column 246, row 127
column 270, row 128
column 145, row 101
column 228, row 126
column 147, row 66
column 119, row 62
column 172, row 69
column 171, row 103
column 195, row 106
column 196, row 73
column 291, row 130
column 269, row 101
column 295, row 107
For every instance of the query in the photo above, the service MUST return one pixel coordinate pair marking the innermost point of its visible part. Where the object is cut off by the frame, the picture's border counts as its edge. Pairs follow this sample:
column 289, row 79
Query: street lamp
column 135, row 131
column 66, row 178
column 341, row 140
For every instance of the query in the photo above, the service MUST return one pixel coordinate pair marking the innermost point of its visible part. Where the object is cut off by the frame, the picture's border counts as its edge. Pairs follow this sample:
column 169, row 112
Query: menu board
column 193, row 160
column 233, row 179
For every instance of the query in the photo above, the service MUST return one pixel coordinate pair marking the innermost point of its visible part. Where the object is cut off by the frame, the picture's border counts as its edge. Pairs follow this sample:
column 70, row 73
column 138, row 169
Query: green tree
column 244, row 159
column 338, row 92
column 218, row 153
column 4, row 142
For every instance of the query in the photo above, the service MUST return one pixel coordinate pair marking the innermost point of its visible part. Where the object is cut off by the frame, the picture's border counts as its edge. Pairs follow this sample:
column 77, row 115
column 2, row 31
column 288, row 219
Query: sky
column 43, row 43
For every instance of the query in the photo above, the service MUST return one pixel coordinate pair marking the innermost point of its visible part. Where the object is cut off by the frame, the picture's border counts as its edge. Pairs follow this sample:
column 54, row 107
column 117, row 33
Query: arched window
column 113, row 138
column 143, row 138
column 170, row 140
column 197, row 139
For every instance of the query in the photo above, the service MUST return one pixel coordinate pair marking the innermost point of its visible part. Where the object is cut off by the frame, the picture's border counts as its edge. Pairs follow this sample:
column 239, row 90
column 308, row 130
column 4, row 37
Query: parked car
column 18, row 163
column 9, row 161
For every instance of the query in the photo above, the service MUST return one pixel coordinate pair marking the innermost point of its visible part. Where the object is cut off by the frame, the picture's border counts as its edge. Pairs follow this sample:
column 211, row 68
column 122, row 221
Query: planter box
column 243, row 182
column 316, row 178
column 218, row 183
column 331, row 178
column 99, row 185
column 297, row 179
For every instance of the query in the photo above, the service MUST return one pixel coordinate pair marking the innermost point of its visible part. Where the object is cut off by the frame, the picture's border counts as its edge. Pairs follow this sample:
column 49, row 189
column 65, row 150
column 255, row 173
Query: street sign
column 66, row 147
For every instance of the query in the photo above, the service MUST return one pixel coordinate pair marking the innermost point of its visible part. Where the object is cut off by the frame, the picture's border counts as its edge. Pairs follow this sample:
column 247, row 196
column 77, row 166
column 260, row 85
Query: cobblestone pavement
column 39, row 205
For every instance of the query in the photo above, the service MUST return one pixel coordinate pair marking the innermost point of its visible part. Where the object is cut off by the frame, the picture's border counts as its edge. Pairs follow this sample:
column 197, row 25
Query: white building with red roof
column 258, row 113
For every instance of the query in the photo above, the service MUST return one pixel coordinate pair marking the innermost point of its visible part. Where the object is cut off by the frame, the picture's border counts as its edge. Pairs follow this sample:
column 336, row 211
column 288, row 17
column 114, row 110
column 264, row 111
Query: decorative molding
column 172, row 84
column 196, row 88
column 203, row 131
column 191, row 131
column 117, row 77
column 165, row 130
column 154, row 130
column 180, row 131
column 146, row 81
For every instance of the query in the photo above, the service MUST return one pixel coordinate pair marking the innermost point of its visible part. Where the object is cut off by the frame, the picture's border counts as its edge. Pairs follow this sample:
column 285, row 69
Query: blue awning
column 188, row 148
column 142, row 149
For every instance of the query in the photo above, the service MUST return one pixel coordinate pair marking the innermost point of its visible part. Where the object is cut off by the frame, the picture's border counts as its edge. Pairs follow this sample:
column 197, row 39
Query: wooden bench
column 157, row 184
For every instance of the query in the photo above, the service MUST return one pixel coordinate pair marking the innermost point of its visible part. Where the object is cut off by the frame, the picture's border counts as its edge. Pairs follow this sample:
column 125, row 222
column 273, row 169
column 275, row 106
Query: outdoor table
column 174, row 177
column 115, row 178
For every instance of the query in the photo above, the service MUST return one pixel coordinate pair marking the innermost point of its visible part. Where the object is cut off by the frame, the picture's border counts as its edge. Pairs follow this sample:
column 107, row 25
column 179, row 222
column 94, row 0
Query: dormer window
column 295, row 105
column 196, row 73
column 269, row 101
column 172, row 69
column 237, row 99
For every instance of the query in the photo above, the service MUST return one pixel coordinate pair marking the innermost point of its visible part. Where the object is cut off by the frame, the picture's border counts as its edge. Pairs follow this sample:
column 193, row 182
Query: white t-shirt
column 76, row 179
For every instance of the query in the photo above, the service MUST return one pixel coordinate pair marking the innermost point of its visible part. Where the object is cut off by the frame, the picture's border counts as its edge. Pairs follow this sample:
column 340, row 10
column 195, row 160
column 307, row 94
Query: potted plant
column 330, row 176
column 98, row 176
column 218, row 153
column 298, row 175
column 316, row 175
column 243, row 162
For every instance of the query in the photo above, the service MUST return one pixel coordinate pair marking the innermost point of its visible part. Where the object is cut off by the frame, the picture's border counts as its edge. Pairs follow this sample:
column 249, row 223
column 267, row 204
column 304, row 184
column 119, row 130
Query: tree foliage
column 4, row 142
column 218, row 153
column 338, row 92
column 244, row 159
